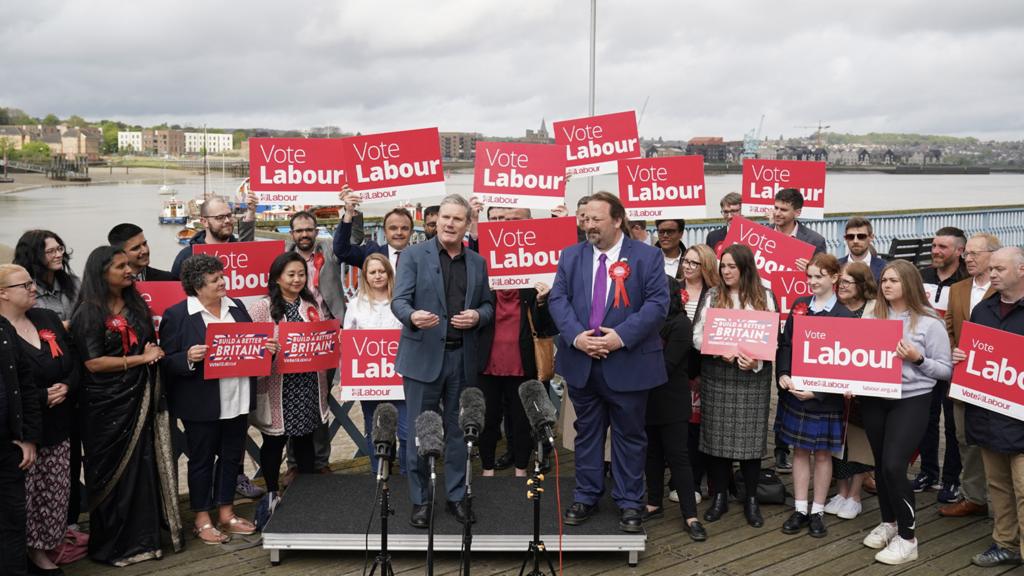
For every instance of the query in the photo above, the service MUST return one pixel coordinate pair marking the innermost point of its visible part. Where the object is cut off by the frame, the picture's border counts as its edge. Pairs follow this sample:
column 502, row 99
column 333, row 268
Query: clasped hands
column 598, row 346
column 424, row 319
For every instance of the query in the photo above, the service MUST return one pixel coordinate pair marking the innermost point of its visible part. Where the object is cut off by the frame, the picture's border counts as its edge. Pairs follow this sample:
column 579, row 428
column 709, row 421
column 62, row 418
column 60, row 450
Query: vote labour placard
column 519, row 175
column 787, row 286
column 661, row 188
column 520, row 253
column 237, row 349
column 296, row 171
column 368, row 365
column 847, row 354
column 773, row 251
column 246, row 264
column 728, row 331
column 992, row 376
column 395, row 166
column 594, row 144
column 160, row 296
column 308, row 346
column 762, row 180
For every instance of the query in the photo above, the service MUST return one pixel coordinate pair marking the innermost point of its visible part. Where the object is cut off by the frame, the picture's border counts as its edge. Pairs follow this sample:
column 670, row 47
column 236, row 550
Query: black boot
column 753, row 512
column 719, row 506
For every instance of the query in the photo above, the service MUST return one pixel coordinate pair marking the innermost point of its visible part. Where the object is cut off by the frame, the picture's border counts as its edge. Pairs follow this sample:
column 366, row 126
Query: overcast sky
column 709, row 68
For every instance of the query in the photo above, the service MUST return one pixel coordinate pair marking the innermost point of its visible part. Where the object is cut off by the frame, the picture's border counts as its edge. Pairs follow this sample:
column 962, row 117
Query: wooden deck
column 733, row 548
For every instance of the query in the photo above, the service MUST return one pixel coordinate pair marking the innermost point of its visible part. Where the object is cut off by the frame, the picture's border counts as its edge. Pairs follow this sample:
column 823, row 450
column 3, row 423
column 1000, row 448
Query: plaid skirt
column 734, row 409
column 809, row 430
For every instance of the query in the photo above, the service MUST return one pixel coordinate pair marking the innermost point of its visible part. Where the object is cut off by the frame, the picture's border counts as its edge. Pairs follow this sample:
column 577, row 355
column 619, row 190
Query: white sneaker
column 835, row 504
column 850, row 509
column 696, row 496
column 899, row 551
column 673, row 496
column 881, row 536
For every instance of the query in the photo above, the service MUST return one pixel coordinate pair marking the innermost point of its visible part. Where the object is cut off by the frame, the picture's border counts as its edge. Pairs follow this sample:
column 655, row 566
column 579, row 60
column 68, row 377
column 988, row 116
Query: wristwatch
column 919, row 361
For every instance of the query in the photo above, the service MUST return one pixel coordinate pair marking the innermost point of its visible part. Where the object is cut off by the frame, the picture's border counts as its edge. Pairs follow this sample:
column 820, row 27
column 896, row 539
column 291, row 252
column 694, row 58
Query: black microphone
column 385, row 425
column 471, row 413
column 429, row 435
column 539, row 410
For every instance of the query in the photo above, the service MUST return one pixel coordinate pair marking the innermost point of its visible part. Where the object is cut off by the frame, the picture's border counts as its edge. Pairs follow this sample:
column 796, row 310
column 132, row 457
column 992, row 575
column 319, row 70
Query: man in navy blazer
column 859, row 238
column 442, row 300
column 398, row 227
column 789, row 202
column 610, row 354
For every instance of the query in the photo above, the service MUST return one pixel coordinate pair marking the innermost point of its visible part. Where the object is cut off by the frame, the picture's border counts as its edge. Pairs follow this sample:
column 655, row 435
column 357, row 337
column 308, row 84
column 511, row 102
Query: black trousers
column 894, row 429
column 698, row 460
column 12, row 511
column 214, row 457
column 272, row 449
column 929, row 447
column 720, row 474
column 667, row 443
column 498, row 391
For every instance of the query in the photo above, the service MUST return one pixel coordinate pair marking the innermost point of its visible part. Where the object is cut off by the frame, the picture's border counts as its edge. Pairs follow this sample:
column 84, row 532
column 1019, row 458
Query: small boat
column 185, row 234
column 166, row 190
column 173, row 212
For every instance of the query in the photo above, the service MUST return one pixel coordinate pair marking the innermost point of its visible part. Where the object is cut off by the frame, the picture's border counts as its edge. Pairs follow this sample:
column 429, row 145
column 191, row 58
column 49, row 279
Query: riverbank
column 100, row 175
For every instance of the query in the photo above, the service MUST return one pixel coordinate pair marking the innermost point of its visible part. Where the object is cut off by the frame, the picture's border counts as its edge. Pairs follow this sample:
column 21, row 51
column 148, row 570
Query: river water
column 82, row 215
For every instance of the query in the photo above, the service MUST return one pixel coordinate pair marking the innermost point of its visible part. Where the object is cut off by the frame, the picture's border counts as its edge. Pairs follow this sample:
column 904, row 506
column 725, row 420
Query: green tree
column 37, row 152
column 51, row 120
column 237, row 136
column 77, row 121
column 110, row 130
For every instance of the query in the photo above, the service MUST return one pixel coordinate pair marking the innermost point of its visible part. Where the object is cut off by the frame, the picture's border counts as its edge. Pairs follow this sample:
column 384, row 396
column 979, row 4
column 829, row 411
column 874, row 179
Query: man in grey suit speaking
column 442, row 299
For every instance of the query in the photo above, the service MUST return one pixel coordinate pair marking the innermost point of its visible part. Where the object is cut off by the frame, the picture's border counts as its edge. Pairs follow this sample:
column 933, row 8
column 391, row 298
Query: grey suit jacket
column 420, row 286
column 330, row 275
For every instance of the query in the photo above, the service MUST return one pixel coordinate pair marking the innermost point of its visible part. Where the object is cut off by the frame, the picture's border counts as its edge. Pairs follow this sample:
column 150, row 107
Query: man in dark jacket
column 219, row 224
column 731, row 204
column 1001, row 437
column 130, row 238
column 20, row 431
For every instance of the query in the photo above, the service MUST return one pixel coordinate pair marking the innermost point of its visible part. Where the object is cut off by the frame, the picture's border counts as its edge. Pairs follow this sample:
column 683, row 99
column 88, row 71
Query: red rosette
column 800, row 309
column 619, row 272
column 50, row 338
column 318, row 263
column 313, row 314
column 128, row 336
column 684, row 296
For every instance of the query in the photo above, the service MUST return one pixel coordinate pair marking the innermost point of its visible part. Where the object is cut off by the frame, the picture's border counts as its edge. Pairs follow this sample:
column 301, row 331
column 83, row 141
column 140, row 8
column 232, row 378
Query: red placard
column 246, row 264
column 787, row 287
column 237, row 349
column 308, row 346
column 762, row 180
column 773, row 250
column 593, row 144
column 992, row 376
column 296, row 171
column 368, row 365
column 519, row 175
column 395, row 166
column 847, row 354
column 520, row 253
column 728, row 331
column 160, row 296
column 661, row 188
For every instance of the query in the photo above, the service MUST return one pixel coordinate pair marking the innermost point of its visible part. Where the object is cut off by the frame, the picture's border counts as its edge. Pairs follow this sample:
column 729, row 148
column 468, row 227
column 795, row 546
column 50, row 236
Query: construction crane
column 818, row 128
column 752, row 141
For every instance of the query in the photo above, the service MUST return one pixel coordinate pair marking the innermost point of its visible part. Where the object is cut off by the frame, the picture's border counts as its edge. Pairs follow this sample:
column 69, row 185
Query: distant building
column 459, row 145
column 12, row 137
column 163, row 142
column 129, row 141
column 214, row 143
column 712, row 148
column 539, row 136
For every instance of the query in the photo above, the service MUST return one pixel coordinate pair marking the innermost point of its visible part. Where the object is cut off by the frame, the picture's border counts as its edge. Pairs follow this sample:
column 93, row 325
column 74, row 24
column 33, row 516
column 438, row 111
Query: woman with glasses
column 46, row 258
column 47, row 347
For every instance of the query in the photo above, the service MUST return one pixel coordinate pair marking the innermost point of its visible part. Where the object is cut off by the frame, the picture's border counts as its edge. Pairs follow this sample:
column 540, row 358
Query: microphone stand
column 467, row 526
column 534, row 491
column 430, row 514
column 383, row 559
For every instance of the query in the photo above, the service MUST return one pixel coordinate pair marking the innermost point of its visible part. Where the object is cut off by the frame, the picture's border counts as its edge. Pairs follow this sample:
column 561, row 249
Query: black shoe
column 420, row 516
column 816, row 527
column 579, row 513
column 37, row 571
column 696, row 532
column 795, row 523
column 782, row 463
column 504, row 461
column 652, row 514
column 458, row 509
column 753, row 512
column 719, row 506
column 631, row 520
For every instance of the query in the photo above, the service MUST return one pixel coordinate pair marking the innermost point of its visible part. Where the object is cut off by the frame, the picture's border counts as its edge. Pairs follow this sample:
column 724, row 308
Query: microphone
column 539, row 410
column 471, row 413
column 385, row 425
column 429, row 435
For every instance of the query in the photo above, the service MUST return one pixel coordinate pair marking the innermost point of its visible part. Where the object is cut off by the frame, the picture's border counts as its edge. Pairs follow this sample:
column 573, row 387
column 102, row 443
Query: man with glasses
column 731, row 204
column 132, row 240
column 218, row 225
column 398, row 230
column 860, row 237
column 670, row 240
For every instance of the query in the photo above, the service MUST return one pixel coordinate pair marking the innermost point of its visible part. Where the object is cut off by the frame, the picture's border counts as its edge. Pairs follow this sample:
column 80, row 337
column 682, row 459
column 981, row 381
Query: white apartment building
column 214, row 143
column 129, row 141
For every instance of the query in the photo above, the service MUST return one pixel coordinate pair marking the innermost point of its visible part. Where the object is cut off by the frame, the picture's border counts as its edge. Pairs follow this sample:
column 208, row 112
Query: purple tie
column 600, row 294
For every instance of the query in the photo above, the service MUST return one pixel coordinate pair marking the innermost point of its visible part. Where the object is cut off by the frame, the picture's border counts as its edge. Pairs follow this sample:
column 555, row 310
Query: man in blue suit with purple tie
column 609, row 300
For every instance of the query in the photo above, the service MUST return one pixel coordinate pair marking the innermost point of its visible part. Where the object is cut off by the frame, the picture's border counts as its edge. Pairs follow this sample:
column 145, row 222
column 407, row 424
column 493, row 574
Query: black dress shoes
column 652, row 514
column 753, row 512
column 816, row 527
column 696, row 531
column 420, row 516
column 631, row 520
column 504, row 461
column 795, row 523
column 458, row 509
column 782, row 463
column 719, row 506
column 579, row 513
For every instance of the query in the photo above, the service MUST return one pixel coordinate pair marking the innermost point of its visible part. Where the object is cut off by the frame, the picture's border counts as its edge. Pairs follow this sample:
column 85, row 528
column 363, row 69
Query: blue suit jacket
column 353, row 254
column 420, row 286
column 877, row 265
column 640, row 364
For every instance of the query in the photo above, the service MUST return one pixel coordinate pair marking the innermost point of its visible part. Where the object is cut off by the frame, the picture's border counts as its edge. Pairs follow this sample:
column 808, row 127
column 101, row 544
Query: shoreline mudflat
column 100, row 175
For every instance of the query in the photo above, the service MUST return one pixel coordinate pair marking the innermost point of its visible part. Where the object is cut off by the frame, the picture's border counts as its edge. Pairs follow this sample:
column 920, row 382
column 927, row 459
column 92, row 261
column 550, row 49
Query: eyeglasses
column 221, row 218
column 731, row 211
column 30, row 285
column 667, row 231
column 691, row 263
column 975, row 253
column 54, row 251
column 847, row 283
column 850, row 237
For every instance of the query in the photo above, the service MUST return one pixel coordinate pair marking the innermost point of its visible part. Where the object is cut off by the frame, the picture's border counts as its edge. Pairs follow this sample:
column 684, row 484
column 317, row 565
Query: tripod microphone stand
column 383, row 559
column 534, row 491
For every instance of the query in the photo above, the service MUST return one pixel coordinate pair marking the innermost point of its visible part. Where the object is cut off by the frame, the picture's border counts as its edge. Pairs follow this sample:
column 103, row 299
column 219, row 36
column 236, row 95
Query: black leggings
column 720, row 474
column 667, row 443
column 895, row 429
column 271, row 454
column 498, row 391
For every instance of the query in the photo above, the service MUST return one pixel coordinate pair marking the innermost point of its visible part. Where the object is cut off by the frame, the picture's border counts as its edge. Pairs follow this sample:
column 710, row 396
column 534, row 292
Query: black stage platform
column 330, row 512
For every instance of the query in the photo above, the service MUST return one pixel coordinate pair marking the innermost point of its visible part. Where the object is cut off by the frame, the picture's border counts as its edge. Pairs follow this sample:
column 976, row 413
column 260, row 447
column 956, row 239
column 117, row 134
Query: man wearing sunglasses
column 218, row 226
column 860, row 237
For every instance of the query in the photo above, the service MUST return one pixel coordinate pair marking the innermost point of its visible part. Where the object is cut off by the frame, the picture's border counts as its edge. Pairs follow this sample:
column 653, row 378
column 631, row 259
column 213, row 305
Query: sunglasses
column 856, row 236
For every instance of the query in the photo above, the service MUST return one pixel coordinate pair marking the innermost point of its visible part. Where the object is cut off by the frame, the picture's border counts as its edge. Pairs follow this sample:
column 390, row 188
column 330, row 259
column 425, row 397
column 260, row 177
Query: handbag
column 543, row 351
column 770, row 489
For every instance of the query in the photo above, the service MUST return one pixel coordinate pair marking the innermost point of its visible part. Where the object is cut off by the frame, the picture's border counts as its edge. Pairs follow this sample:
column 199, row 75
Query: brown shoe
column 289, row 477
column 963, row 508
column 869, row 483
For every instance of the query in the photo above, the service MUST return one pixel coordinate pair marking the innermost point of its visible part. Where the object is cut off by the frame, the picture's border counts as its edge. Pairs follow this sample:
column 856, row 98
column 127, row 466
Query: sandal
column 210, row 535
column 239, row 526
